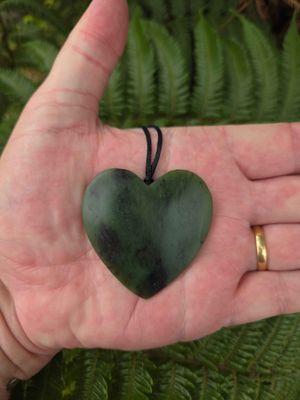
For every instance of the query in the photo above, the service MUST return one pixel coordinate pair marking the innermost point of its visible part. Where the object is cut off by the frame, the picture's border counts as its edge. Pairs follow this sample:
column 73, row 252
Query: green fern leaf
column 237, row 387
column 208, row 91
column 209, row 385
column 4, row 104
column 289, row 359
column 174, row 382
column 178, row 8
column 7, row 125
column 47, row 384
column 15, row 86
column 242, row 346
column 216, row 9
column 36, row 9
column 182, row 353
column 71, row 356
column 172, row 72
column 229, row 348
column 92, row 376
column 132, row 380
column 287, row 388
column 71, row 375
column 290, row 82
column 197, row 6
column 141, row 70
column 276, row 352
column 112, row 107
column 182, row 29
column 39, row 54
column 240, row 84
column 265, row 64
column 158, row 9
column 25, row 32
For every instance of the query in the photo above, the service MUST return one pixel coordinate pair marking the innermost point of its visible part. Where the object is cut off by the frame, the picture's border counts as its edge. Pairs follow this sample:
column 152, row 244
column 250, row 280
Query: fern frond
column 4, row 104
column 290, row 80
column 70, row 356
column 182, row 353
column 198, row 6
column 15, row 86
column 47, row 384
column 133, row 380
column 91, row 377
column 7, row 124
column 265, row 63
column 242, row 346
column 216, row 9
column 39, row 54
column 240, row 84
column 158, row 9
column 113, row 104
column 239, row 387
column 229, row 348
column 182, row 30
column 172, row 72
column 287, row 388
column 209, row 80
column 178, row 8
column 276, row 352
column 209, row 385
column 25, row 32
column 36, row 9
column 290, row 355
column 174, row 382
column 141, row 70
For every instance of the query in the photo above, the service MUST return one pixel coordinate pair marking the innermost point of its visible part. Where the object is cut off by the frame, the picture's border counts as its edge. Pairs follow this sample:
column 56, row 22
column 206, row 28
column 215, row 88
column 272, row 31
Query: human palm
column 62, row 293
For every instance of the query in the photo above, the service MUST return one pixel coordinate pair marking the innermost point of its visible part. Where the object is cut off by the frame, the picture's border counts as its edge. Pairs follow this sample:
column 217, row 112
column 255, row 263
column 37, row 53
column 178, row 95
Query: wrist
column 19, row 358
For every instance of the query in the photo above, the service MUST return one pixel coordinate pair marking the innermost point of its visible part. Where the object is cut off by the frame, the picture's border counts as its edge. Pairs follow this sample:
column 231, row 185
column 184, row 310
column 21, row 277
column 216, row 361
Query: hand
column 58, row 293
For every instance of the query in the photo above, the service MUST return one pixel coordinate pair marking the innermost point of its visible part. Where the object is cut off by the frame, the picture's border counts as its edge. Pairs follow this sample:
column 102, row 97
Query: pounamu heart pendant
column 147, row 234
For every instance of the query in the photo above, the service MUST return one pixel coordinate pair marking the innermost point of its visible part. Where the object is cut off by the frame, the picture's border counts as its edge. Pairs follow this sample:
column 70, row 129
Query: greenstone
column 147, row 234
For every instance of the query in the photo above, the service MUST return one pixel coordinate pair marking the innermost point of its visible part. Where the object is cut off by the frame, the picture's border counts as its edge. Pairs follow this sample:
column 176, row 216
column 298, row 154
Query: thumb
column 92, row 50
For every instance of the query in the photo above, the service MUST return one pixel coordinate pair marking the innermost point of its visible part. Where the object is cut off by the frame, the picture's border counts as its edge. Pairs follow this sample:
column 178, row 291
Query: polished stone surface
column 147, row 234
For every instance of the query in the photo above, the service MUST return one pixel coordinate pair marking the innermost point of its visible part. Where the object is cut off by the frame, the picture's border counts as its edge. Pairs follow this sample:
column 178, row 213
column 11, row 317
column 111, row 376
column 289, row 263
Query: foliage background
column 186, row 63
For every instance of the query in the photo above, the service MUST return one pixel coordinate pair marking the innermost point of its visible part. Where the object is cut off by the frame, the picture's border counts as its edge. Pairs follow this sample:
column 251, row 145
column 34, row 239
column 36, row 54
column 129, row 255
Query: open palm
column 61, row 292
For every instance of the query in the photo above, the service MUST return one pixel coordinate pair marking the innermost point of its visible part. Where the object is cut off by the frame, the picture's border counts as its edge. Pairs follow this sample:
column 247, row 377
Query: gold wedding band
column 261, row 249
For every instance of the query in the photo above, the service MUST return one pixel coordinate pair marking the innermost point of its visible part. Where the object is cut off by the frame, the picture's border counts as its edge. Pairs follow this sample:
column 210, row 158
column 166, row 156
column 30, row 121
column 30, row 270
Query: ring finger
column 282, row 243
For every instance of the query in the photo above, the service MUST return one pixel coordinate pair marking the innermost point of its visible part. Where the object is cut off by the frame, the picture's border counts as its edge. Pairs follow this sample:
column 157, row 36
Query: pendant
column 147, row 232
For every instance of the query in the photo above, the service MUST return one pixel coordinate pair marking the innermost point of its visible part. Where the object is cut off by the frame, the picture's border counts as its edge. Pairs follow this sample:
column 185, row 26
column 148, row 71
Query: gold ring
column 261, row 249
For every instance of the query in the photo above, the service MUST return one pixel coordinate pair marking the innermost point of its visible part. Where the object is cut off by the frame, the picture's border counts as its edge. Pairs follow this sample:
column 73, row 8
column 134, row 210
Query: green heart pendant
column 147, row 234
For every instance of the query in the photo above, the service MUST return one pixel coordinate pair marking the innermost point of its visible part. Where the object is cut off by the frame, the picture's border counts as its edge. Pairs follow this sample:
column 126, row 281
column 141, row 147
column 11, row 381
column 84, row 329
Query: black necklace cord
column 151, row 166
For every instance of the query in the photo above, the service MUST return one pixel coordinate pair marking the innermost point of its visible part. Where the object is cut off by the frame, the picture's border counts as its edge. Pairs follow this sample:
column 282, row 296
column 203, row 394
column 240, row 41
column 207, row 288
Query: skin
column 54, row 290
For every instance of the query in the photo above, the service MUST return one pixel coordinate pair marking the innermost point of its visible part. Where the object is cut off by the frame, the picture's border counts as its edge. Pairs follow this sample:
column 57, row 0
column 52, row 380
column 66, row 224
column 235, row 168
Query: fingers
column 265, row 150
column 275, row 200
column 265, row 294
column 282, row 242
column 87, row 59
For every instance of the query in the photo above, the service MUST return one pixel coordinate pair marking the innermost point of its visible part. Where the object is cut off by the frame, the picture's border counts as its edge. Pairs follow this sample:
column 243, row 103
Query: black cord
column 151, row 167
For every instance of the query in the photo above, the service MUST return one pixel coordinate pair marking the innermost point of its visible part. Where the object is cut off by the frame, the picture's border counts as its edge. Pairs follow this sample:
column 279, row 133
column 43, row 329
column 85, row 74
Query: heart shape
column 147, row 234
